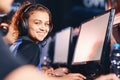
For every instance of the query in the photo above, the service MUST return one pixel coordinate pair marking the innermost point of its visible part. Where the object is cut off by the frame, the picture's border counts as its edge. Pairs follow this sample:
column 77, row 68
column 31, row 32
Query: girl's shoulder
column 15, row 45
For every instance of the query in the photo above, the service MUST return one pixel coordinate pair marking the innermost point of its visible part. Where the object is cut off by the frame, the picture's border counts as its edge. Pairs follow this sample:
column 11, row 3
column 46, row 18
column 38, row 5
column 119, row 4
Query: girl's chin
column 41, row 39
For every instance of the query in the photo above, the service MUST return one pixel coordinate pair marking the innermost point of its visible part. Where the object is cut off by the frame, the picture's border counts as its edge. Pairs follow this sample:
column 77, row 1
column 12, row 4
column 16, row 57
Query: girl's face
column 38, row 23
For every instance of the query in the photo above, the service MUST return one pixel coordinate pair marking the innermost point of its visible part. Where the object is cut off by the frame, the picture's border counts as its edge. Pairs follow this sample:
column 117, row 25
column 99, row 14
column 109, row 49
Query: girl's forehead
column 38, row 11
column 39, row 15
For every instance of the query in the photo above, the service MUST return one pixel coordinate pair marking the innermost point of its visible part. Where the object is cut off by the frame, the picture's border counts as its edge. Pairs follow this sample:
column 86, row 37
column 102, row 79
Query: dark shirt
column 29, row 51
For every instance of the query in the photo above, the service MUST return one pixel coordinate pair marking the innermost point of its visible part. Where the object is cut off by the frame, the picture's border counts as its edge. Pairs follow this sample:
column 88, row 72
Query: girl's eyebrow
column 37, row 20
column 41, row 20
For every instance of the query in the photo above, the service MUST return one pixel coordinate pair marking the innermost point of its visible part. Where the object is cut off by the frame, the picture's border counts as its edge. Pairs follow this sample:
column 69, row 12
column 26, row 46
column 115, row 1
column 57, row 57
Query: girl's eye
column 47, row 25
column 37, row 22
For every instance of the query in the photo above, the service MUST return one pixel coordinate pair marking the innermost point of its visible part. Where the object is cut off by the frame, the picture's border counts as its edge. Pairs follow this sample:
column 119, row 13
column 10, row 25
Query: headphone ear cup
column 23, row 27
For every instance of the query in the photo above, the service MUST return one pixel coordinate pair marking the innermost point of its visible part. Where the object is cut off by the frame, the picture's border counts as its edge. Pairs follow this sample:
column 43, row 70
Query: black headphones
column 23, row 23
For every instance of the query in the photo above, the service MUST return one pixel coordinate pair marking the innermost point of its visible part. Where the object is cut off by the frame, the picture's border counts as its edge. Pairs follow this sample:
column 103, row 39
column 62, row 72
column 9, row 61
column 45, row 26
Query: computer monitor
column 93, row 38
column 62, row 46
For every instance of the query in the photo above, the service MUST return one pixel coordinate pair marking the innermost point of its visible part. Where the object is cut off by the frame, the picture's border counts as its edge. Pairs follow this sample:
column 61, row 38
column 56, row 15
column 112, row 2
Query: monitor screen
column 62, row 44
column 92, row 38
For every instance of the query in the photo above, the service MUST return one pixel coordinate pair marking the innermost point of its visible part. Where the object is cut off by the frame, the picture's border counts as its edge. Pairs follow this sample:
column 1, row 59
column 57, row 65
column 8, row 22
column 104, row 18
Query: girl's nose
column 42, row 27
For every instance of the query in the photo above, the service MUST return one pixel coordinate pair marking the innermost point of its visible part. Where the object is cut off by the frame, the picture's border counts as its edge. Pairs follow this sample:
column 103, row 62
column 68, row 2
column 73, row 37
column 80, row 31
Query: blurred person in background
column 7, row 62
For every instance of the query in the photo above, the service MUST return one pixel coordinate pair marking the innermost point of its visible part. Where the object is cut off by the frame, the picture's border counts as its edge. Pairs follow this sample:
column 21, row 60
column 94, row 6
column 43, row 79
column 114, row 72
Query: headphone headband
column 27, row 8
column 23, row 24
